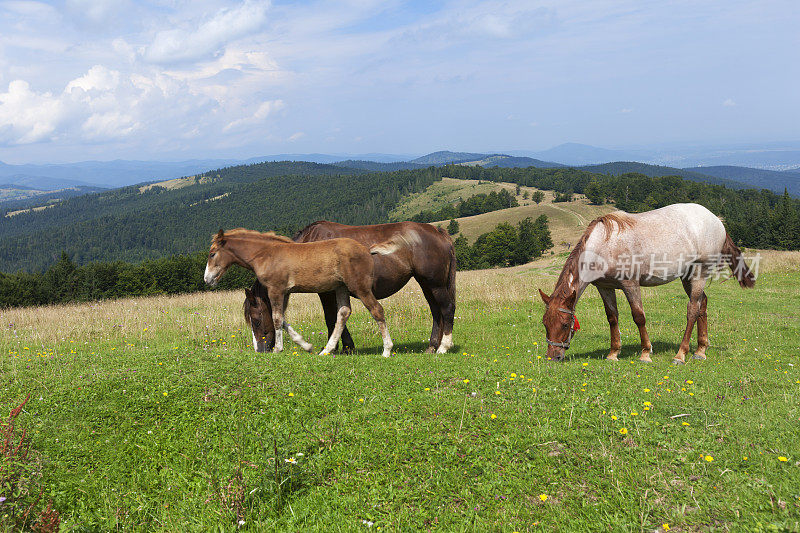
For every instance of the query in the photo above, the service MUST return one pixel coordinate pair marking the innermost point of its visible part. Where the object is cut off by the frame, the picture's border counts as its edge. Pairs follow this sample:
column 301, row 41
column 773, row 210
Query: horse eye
column 212, row 254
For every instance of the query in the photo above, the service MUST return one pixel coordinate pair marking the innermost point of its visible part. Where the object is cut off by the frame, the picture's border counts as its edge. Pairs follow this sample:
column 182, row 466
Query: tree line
column 67, row 282
column 474, row 205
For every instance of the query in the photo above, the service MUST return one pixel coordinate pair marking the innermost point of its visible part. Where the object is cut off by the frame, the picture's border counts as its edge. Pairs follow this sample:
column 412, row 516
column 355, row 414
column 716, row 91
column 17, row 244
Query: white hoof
column 307, row 347
column 323, row 352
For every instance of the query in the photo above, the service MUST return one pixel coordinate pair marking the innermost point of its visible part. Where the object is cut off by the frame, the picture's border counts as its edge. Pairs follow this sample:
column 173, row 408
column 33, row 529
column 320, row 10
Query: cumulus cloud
column 28, row 117
column 209, row 37
column 729, row 102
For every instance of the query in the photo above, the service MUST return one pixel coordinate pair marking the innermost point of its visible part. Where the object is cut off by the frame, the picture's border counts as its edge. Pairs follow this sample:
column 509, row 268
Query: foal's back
column 315, row 266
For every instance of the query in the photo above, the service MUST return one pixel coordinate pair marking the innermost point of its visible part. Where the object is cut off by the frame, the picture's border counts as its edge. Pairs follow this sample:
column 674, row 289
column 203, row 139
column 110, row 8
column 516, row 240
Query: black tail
column 451, row 274
column 733, row 256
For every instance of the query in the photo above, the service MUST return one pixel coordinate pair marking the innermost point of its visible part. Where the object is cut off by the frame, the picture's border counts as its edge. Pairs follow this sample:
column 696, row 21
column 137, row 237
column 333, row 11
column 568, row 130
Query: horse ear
column 570, row 300
column 545, row 298
column 221, row 237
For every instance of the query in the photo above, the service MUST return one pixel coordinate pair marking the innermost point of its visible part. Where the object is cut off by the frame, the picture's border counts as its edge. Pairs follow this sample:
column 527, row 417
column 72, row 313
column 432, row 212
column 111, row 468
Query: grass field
column 156, row 414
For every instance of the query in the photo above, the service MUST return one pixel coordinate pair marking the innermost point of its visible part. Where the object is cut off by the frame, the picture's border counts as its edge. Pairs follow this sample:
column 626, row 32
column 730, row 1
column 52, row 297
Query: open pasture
column 156, row 414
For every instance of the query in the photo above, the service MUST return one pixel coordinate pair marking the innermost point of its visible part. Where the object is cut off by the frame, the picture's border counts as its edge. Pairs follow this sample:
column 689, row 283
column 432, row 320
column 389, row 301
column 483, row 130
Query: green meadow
column 156, row 414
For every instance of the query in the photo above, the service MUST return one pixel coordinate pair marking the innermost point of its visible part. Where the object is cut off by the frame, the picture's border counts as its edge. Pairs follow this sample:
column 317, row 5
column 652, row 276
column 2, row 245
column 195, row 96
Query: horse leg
column 276, row 300
column 693, row 286
column 330, row 308
column 294, row 335
column 702, row 329
column 343, row 301
column 376, row 310
column 447, row 308
column 634, row 295
column 436, row 331
column 609, row 297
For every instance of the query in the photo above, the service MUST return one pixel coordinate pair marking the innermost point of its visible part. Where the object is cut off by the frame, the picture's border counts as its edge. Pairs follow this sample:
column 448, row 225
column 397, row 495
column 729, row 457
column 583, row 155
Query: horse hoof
column 699, row 357
column 430, row 349
column 648, row 360
column 307, row 347
column 615, row 358
column 323, row 352
column 678, row 362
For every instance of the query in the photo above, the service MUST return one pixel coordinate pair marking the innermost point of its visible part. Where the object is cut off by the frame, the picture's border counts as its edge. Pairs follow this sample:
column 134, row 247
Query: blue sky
column 172, row 79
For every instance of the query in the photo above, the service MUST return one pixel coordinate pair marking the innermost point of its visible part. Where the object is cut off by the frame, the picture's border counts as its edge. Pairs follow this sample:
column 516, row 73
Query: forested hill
column 655, row 171
column 131, row 225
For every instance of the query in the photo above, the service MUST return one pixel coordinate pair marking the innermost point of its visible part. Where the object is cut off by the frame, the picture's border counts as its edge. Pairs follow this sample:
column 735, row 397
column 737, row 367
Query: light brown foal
column 282, row 266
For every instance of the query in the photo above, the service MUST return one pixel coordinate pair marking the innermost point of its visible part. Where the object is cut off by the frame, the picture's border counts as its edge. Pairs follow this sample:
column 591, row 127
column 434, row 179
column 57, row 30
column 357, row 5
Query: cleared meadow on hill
column 156, row 414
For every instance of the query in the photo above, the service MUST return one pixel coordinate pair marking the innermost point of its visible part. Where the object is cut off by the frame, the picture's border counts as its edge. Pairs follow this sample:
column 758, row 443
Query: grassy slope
column 143, row 411
column 441, row 193
column 567, row 219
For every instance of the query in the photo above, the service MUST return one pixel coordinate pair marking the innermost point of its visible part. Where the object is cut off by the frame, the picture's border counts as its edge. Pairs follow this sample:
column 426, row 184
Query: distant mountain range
column 114, row 174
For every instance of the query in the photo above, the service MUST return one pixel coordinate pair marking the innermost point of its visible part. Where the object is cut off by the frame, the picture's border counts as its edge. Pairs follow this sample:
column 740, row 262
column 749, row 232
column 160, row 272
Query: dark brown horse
column 408, row 249
column 341, row 266
column 625, row 251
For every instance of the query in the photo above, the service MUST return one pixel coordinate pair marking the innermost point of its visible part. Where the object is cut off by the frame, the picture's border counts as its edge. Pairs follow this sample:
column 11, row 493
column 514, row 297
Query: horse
column 627, row 251
column 400, row 251
column 282, row 266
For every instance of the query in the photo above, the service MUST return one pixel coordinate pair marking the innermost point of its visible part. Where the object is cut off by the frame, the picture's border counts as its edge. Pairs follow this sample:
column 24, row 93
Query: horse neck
column 570, row 279
column 245, row 250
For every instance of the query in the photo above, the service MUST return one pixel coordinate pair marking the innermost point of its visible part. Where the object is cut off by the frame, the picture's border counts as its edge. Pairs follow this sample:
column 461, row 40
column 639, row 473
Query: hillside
column 130, row 225
column 625, row 167
column 773, row 180
column 568, row 220
column 507, row 161
column 446, row 157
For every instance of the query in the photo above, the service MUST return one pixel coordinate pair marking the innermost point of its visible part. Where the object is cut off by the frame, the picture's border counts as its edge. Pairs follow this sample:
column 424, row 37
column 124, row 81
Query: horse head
column 258, row 315
column 219, row 259
column 559, row 323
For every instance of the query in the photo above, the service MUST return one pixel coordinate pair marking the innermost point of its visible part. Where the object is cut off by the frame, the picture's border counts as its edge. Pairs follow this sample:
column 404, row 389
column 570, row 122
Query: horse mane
column 571, row 266
column 305, row 230
column 243, row 232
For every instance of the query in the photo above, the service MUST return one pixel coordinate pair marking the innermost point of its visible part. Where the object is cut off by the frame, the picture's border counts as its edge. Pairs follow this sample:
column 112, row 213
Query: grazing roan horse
column 626, row 251
column 341, row 266
column 406, row 250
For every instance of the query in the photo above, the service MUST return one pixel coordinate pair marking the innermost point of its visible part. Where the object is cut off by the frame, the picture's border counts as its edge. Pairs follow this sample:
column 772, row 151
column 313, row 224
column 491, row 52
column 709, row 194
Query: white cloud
column 98, row 78
column 626, row 110
column 296, row 136
column 729, row 102
column 209, row 37
column 264, row 110
column 28, row 117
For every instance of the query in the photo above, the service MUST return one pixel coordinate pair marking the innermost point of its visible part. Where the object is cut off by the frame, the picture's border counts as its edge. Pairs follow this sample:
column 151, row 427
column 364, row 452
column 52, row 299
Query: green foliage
column 65, row 282
column 505, row 245
column 563, row 197
column 474, row 205
column 594, row 192
column 537, row 197
column 453, row 227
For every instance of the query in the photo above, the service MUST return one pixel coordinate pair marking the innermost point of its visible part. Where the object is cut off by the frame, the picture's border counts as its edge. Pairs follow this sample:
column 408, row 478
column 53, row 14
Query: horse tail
column 733, row 256
column 451, row 274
